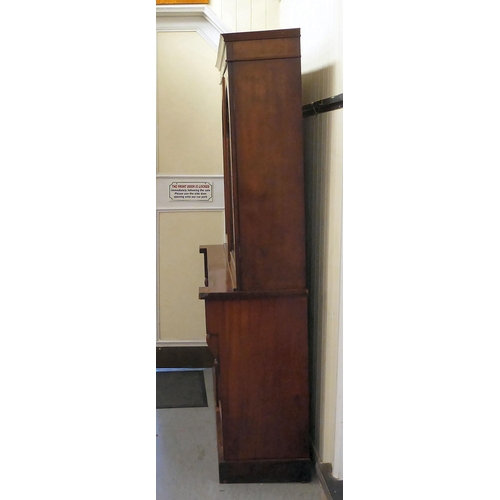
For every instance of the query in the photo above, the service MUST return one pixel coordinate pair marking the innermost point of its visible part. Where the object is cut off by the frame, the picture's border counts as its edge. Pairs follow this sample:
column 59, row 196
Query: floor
column 186, row 460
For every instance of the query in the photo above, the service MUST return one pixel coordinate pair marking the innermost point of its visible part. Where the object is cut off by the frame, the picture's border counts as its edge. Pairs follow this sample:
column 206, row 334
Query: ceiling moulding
column 199, row 18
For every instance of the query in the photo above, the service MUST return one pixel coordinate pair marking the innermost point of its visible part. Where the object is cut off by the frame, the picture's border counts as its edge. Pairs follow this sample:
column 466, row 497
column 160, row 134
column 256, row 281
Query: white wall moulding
column 199, row 18
column 183, row 193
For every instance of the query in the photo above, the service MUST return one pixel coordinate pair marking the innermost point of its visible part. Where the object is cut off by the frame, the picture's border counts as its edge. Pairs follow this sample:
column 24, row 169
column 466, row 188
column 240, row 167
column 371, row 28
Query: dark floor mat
column 180, row 389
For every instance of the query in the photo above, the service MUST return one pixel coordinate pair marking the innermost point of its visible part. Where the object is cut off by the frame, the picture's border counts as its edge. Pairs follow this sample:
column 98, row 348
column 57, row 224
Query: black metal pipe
column 324, row 105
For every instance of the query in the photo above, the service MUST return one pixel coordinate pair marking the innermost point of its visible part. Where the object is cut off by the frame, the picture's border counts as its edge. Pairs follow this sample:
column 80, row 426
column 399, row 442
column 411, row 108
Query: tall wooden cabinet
column 255, row 290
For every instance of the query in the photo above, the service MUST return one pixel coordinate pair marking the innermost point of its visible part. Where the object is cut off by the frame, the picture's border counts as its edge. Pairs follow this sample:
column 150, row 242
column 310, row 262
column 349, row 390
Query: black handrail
column 324, row 105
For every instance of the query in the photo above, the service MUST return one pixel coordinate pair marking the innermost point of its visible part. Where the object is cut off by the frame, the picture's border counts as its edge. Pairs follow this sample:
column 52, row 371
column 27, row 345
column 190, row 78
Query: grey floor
column 186, row 460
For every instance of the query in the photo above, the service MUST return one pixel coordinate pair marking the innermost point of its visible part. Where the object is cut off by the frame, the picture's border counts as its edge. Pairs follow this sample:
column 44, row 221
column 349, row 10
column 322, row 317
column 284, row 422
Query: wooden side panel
column 264, row 379
column 267, row 121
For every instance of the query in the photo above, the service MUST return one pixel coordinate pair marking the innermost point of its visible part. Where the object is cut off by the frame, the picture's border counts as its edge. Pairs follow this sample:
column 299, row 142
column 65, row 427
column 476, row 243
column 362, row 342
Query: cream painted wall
column 321, row 46
column 188, row 106
column 189, row 143
column 182, row 314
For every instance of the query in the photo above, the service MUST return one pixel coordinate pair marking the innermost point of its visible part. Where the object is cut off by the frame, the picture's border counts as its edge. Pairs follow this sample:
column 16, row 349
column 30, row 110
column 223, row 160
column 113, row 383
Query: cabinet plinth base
column 265, row 471
column 297, row 470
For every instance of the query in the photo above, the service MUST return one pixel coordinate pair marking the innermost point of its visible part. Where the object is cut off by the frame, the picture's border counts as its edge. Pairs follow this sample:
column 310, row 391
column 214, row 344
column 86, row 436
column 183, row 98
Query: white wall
column 247, row 15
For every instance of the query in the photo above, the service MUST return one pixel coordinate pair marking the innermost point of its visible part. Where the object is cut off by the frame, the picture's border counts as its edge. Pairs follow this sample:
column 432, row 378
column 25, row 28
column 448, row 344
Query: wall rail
column 323, row 105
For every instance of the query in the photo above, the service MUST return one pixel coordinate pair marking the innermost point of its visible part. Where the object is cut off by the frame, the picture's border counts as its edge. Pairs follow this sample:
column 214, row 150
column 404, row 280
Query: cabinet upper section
column 263, row 159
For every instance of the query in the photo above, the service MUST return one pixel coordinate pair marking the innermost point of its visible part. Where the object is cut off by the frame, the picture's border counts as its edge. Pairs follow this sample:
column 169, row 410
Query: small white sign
column 190, row 191
column 180, row 193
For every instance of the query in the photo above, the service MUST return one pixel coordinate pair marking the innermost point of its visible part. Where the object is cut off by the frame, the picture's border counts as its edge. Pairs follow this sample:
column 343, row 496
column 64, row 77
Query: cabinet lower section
column 259, row 342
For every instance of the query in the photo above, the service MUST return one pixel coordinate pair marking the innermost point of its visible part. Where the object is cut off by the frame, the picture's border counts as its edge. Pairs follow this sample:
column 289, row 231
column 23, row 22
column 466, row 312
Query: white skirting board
column 180, row 343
